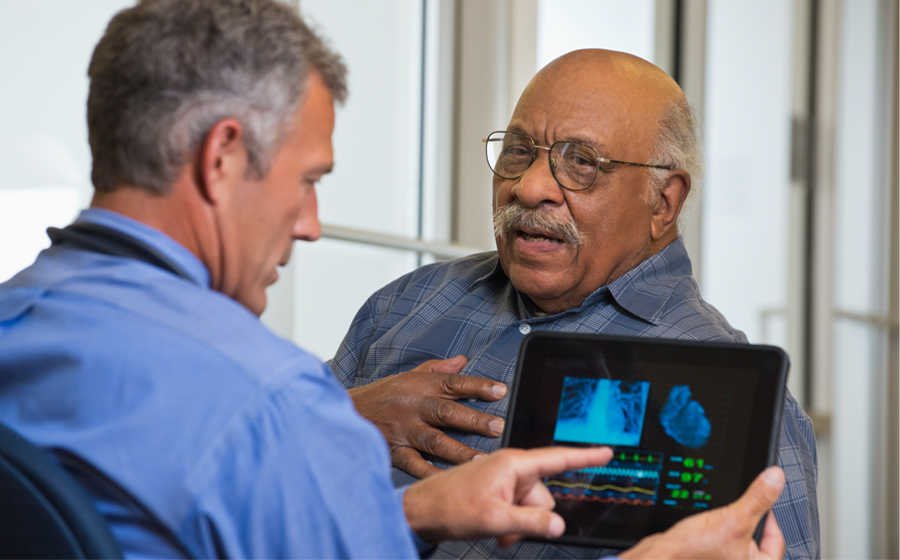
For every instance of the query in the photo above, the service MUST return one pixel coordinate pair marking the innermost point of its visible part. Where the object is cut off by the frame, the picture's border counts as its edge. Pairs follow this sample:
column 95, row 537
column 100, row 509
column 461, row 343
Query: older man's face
column 607, row 112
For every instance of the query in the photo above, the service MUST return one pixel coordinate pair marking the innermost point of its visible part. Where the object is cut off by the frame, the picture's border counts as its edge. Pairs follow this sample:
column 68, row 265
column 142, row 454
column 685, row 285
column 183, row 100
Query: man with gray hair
column 132, row 347
column 590, row 178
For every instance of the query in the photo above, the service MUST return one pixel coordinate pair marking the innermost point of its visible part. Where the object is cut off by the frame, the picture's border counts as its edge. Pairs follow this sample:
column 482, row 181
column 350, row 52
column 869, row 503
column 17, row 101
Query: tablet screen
column 690, row 426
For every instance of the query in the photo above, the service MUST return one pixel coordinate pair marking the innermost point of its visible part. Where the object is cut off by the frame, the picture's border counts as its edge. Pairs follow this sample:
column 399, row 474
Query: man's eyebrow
column 598, row 146
column 586, row 140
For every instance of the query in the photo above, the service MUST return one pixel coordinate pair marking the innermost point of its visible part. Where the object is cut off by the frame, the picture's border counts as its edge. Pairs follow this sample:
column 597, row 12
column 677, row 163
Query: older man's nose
column 538, row 185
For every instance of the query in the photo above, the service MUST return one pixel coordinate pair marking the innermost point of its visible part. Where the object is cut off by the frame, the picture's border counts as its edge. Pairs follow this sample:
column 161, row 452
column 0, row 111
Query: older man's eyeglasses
column 574, row 165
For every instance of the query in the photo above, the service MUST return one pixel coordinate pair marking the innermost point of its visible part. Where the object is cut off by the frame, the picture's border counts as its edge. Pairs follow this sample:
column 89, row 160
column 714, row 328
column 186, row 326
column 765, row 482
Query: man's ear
column 221, row 161
column 668, row 205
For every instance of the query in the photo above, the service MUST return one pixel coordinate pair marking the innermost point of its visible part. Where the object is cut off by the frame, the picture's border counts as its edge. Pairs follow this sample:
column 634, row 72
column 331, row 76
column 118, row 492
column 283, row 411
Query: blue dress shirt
column 469, row 307
column 196, row 430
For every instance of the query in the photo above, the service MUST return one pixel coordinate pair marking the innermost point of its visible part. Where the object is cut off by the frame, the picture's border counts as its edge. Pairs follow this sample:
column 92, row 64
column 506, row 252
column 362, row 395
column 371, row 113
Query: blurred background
column 795, row 241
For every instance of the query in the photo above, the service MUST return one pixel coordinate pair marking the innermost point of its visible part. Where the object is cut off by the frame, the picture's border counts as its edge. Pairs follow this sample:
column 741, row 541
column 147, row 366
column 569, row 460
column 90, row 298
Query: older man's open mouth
column 540, row 236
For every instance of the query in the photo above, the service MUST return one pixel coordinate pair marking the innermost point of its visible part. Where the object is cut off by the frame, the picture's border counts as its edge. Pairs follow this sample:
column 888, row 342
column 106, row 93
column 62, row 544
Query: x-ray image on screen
column 603, row 411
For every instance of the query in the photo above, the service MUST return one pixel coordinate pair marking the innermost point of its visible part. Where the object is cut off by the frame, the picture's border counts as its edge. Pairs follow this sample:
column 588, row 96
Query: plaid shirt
column 468, row 306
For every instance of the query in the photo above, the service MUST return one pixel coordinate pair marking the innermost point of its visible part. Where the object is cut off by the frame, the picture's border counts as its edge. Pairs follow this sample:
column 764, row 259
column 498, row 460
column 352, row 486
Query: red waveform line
column 604, row 499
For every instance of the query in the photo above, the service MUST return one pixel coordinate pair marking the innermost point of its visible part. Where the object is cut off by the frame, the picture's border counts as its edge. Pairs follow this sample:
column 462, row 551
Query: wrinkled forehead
column 613, row 105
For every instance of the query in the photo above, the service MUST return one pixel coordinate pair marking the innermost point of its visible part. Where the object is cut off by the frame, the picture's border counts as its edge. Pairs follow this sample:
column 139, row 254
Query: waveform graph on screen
column 632, row 477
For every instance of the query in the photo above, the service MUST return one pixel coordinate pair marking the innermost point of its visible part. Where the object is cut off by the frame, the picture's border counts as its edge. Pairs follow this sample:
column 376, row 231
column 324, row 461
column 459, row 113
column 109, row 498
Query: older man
column 590, row 178
column 132, row 347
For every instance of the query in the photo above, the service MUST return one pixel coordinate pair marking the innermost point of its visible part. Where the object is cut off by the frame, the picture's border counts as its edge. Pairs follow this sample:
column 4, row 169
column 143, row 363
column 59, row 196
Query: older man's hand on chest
column 410, row 407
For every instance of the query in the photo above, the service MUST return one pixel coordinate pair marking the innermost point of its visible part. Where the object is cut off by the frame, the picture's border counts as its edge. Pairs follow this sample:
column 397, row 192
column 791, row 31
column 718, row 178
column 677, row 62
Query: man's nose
column 538, row 185
column 307, row 226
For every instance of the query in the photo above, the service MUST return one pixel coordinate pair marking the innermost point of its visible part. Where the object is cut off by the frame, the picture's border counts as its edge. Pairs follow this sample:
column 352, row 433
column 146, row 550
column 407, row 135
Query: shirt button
column 524, row 328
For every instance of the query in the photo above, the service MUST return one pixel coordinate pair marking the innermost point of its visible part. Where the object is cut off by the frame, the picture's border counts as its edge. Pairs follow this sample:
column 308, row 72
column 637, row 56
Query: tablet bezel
column 770, row 362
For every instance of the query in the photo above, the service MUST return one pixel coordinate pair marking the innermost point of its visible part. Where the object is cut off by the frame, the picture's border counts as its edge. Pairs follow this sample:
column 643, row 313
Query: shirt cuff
column 423, row 547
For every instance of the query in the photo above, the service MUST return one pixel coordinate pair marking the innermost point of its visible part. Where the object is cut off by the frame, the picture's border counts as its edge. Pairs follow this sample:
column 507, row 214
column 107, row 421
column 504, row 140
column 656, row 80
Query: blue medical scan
column 684, row 419
column 602, row 411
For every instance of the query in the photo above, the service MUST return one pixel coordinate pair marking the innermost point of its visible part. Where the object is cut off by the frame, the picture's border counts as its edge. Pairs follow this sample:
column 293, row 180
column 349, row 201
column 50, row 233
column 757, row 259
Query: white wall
column 44, row 153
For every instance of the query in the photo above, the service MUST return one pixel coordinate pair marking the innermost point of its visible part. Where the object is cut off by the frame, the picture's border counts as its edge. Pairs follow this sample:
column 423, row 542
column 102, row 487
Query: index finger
column 548, row 461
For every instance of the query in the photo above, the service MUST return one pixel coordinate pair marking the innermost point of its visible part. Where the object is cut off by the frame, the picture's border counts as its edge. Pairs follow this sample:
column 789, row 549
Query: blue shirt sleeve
column 301, row 475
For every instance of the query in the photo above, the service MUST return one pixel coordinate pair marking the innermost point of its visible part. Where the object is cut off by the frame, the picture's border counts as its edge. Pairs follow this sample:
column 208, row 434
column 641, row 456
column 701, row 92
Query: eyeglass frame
column 535, row 147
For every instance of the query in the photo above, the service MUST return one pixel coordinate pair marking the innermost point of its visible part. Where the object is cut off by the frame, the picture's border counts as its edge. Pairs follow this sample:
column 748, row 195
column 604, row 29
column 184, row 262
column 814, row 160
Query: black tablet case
column 738, row 387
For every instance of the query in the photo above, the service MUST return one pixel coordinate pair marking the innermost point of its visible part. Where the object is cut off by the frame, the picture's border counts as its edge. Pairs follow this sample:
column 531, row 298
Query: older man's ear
column 668, row 205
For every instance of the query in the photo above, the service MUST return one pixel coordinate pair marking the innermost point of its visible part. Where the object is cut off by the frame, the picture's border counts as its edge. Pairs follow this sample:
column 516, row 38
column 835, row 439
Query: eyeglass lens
column 574, row 165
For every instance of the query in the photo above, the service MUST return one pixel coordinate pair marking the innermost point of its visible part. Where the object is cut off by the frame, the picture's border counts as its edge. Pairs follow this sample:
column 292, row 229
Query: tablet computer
column 691, row 424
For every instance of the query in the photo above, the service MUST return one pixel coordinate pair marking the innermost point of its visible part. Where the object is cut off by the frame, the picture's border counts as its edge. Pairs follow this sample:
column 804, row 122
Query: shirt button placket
column 524, row 328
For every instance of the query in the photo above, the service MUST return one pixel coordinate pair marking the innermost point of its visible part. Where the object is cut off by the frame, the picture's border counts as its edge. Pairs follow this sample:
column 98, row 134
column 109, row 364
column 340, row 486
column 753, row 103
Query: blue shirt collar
column 186, row 260
column 645, row 289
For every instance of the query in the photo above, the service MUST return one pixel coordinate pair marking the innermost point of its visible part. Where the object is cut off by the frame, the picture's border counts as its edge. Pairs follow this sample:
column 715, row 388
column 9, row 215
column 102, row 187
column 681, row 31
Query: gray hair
column 166, row 71
column 678, row 146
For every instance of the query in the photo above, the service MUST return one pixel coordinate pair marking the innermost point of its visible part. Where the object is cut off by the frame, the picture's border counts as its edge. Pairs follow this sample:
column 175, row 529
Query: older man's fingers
column 437, row 443
column 451, row 414
column 409, row 460
column 450, row 365
column 461, row 386
column 772, row 543
column 454, row 386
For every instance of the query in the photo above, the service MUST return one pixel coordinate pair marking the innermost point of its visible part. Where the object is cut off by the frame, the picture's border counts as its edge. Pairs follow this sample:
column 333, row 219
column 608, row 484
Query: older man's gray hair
column 678, row 146
column 166, row 71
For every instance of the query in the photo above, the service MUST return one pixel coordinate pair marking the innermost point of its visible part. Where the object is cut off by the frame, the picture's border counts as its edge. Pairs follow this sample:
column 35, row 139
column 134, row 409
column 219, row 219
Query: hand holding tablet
column 691, row 425
column 724, row 532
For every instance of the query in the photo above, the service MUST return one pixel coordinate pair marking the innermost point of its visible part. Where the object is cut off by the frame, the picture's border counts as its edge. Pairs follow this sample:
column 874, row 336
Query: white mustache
column 514, row 217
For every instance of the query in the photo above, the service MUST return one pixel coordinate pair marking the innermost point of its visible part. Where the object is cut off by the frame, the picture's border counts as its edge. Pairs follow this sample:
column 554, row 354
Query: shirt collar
column 496, row 271
column 645, row 289
column 186, row 260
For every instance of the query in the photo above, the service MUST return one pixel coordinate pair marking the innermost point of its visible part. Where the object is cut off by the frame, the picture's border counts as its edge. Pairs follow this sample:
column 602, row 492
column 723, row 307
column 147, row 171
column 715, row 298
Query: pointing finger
column 547, row 461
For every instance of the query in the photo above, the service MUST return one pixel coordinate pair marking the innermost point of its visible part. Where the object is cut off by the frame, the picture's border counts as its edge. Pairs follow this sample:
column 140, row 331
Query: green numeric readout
column 684, row 494
column 691, row 477
column 688, row 471
column 691, row 463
